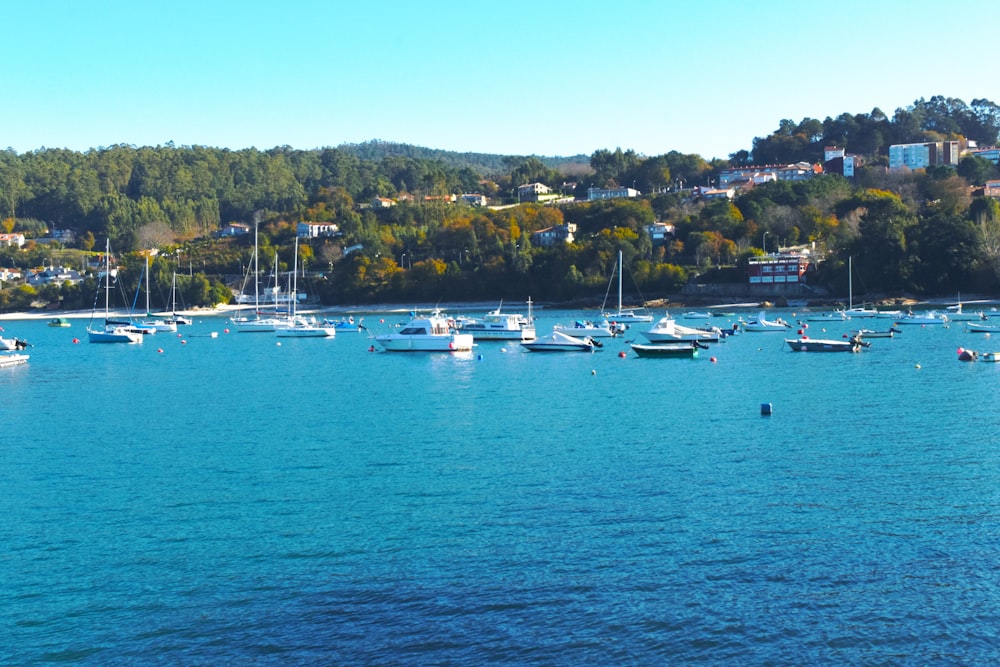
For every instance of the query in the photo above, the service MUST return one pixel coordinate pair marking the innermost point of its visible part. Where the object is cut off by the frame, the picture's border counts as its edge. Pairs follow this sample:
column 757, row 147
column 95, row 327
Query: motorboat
column 956, row 314
column 696, row 315
column 13, row 344
column 667, row 330
column 982, row 327
column 833, row 316
column 426, row 333
column 60, row 322
column 557, row 341
column 677, row 350
column 602, row 329
column 859, row 312
column 497, row 325
column 346, row 324
column 806, row 344
column 871, row 333
column 761, row 323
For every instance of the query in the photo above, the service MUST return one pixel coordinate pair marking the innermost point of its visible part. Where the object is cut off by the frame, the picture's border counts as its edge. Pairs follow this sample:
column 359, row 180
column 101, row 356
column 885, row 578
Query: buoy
column 381, row 321
column 918, row 366
column 503, row 349
column 593, row 372
column 621, row 355
column 712, row 359
column 960, row 350
column 226, row 330
column 160, row 350
column 765, row 409
column 371, row 348
column 843, row 336
column 278, row 343
column 179, row 335
column 480, row 357
column 799, row 332
column 76, row 340
column 184, row 342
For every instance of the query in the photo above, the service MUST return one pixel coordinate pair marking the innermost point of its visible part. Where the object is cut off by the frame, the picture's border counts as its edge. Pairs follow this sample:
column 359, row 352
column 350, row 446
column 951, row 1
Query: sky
column 516, row 77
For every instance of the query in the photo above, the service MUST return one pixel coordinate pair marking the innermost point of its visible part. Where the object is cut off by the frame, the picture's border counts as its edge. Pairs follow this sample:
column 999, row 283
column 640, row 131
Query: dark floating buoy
column 480, row 357
column 765, row 409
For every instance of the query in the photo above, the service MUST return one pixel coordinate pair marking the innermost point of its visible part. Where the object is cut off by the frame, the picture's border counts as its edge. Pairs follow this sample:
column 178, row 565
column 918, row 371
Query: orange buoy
column 621, row 355
column 160, row 350
column 712, row 359
column 76, row 340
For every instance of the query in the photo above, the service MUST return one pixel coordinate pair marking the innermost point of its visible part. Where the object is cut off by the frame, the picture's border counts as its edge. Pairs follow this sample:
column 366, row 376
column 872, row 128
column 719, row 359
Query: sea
column 250, row 500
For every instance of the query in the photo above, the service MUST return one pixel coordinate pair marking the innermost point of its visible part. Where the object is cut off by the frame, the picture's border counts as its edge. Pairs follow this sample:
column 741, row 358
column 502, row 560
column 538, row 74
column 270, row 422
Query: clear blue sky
column 514, row 77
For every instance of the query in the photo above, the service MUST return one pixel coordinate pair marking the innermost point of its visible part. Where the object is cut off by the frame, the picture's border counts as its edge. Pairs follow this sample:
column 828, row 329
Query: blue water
column 237, row 501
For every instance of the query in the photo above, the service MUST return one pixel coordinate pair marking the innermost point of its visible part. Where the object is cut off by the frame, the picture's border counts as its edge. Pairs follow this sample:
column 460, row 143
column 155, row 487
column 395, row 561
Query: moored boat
column 7, row 360
column 930, row 317
column 497, row 325
column 426, row 333
column 557, row 341
column 59, row 322
column 982, row 327
column 668, row 330
column 603, row 329
column 675, row 350
column 871, row 333
column 806, row 344
column 761, row 323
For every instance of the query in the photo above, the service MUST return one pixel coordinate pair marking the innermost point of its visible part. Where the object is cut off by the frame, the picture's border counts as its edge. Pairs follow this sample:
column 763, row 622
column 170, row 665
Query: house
column 920, row 156
column 313, row 230
column 12, row 240
column 474, row 199
column 800, row 171
column 992, row 189
column 594, row 194
column 716, row 193
column 532, row 191
column 54, row 275
column 782, row 268
column 235, row 229
column 7, row 275
column 382, row 202
column 991, row 154
column 837, row 161
column 659, row 232
column 550, row 236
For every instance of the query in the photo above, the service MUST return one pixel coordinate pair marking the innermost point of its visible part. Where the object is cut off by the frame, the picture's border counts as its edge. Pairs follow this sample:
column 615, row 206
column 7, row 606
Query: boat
column 426, row 333
column 990, row 356
column 930, row 317
column 13, row 344
column 871, row 333
column 255, row 323
column 295, row 325
column 761, row 323
column 834, row 316
column 675, row 350
column 497, row 325
column 345, row 324
column 667, row 330
column 175, row 317
column 982, row 327
column 111, row 331
column 956, row 314
column 623, row 316
column 59, row 322
column 557, row 341
column 8, row 360
column 604, row 329
column 806, row 344
column 696, row 315
column 851, row 312
column 151, row 324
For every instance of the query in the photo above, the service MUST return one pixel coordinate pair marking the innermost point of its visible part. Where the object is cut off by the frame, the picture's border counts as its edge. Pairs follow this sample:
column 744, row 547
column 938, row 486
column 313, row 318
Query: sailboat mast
column 256, row 277
column 621, row 270
column 850, row 283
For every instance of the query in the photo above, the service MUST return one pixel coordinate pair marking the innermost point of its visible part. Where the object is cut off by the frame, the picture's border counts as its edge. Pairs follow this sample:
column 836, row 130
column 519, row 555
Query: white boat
column 982, row 327
column 295, row 325
column 834, row 316
column 7, row 360
column 667, row 330
column 13, row 344
column 624, row 316
column 497, row 325
column 111, row 331
column 346, row 324
column 426, row 333
column 150, row 323
column 257, row 322
column 806, row 344
column 852, row 312
column 695, row 315
column 176, row 317
column 557, row 341
column 930, row 317
column 761, row 323
column 956, row 314
column 860, row 312
column 602, row 329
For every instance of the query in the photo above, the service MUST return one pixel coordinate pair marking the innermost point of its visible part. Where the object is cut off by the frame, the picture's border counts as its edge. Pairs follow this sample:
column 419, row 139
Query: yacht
column 426, row 333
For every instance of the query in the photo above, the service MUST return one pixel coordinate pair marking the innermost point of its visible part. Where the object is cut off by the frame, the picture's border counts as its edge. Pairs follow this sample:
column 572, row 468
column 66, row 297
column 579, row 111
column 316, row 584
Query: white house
column 594, row 194
column 313, row 230
column 553, row 235
column 54, row 275
column 235, row 229
column 474, row 199
column 12, row 240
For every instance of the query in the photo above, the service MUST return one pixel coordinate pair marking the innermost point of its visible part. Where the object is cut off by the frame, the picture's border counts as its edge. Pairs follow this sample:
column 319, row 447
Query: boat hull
column 116, row 335
column 673, row 350
column 425, row 343
column 823, row 345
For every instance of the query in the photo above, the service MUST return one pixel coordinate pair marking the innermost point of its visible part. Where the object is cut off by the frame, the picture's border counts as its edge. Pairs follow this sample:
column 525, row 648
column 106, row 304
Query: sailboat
column 296, row 326
column 110, row 331
column 157, row 325
column 176, row 317
column 256, row 323
column 624, row 316
column 851, row 311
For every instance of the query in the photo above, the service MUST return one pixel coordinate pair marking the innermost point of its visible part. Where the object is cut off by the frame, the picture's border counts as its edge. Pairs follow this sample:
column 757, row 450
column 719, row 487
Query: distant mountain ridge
column 483, row 163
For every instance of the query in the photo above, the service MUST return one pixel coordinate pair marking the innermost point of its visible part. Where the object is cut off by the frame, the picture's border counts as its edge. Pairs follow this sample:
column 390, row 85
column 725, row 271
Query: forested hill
column 481, row 163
